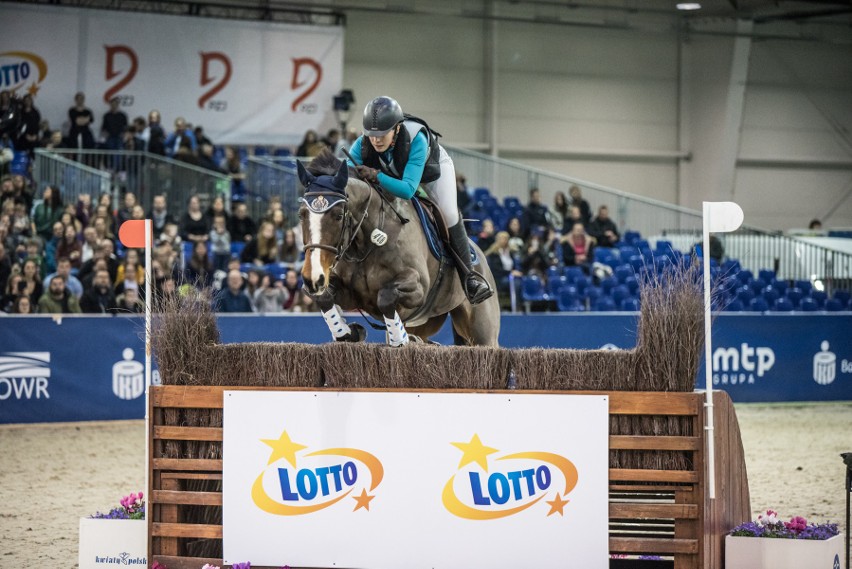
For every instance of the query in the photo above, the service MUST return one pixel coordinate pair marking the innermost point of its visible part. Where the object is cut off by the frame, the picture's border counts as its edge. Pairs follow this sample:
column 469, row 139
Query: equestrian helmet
column 381, row 115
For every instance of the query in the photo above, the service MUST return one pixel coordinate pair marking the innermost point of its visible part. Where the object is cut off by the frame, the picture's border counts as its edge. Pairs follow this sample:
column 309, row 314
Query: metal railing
column 142, row 173
column 272, row 177
column 72, row 177
column 754, row 248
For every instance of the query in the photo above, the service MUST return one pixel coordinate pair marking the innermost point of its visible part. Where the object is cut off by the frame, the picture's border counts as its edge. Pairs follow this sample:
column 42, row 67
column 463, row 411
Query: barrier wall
column 90, row 367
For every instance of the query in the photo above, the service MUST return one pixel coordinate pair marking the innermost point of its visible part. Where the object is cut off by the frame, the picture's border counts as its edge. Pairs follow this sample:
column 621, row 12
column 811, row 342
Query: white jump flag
column 719, row 217
column 136, row 234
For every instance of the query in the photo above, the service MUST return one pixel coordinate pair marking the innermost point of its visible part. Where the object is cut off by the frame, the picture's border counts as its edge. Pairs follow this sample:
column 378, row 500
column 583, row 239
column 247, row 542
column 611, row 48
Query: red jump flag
column 132, row 233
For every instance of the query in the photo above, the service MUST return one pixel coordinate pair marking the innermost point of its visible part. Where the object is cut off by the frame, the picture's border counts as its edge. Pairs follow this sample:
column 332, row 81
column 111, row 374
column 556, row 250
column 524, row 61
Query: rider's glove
column 367, row 174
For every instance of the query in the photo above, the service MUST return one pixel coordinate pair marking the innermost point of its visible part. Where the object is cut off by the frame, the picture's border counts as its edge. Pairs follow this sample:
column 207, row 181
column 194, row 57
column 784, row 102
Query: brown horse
column 360, row 253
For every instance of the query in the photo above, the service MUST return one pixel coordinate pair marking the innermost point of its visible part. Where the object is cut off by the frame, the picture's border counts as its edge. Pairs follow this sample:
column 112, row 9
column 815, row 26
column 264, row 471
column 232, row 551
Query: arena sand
column 53, row 474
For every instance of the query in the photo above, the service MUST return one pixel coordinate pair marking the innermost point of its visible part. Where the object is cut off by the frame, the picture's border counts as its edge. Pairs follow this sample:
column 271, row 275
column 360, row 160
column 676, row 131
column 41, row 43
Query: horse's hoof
column 357, row 333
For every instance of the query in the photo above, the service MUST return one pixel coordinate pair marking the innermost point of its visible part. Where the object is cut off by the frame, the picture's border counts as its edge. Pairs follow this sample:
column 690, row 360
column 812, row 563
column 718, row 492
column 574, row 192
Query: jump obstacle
column 658, row 478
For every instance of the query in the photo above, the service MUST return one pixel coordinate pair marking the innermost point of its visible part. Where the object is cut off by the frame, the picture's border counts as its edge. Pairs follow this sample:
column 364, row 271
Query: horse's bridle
column 340, row 250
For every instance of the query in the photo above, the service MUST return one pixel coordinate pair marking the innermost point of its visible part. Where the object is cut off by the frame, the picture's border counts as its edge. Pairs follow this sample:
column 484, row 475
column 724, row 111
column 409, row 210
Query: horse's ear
column 341, row 177
column 304, row 176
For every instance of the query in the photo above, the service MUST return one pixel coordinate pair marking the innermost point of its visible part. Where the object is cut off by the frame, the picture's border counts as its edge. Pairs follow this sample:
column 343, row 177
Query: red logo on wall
column 297, row 83
column 206, row 77
column 112, row 52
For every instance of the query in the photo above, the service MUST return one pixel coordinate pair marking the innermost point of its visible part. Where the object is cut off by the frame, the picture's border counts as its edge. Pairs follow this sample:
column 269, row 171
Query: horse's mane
column 324, row 163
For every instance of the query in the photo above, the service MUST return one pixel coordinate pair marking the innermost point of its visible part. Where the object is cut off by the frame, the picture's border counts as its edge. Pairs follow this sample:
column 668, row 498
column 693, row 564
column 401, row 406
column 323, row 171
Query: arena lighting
column 688, row 6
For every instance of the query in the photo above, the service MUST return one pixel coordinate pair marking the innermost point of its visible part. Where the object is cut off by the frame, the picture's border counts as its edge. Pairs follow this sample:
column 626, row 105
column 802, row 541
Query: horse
column 362, row 253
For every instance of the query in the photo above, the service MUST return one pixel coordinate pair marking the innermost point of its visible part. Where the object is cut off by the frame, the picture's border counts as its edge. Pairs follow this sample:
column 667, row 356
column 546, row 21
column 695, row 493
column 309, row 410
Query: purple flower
column 246, row 565
column 796, row 528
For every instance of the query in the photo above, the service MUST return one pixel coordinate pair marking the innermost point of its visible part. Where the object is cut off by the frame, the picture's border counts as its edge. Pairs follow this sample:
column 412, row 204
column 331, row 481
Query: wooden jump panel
column 651, row 511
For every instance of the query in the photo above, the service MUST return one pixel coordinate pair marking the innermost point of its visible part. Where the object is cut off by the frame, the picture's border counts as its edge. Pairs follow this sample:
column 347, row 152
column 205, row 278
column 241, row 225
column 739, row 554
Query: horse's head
column 322, row 216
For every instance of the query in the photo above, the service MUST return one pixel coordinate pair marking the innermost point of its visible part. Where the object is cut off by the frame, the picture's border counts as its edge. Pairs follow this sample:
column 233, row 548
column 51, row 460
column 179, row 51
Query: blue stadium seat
column 745, row 276
column 734, row 306
column 511, row 203
column 766, row 274
column 631, row 237
column 623, row 272
column 758, row 304
column 532, row 289
column 593, row 293
column 833, row 305
column 662, row 263
column 568, row 300
column 619, row 293
column 637, row 262
column 281, row 152
column 604, row 304
column 745, row 294
column 237, row 249
column 843, row 296
column 757, row 286
column 731, row 266
column 771, row 294
column 480, row 194
column 608, row 284
column 781, row 284
column 626, row 251
column 819, row 296
column 783, row 304
column 808, row 304
column 573, row 273
column 630, row 304
column 261, row 151
column 664, row 248
column 582, row 283
column 632, row 285
column 603, row 254
column 795, row 294
column 806, row 286
column 555, row 284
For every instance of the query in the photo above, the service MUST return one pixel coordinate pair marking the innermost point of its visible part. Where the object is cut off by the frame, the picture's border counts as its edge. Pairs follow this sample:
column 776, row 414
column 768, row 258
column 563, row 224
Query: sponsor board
column 471, row 472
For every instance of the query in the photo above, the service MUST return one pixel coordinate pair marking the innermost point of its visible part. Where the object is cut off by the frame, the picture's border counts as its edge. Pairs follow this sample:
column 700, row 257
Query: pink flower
column 208, row 566
column 796, row 524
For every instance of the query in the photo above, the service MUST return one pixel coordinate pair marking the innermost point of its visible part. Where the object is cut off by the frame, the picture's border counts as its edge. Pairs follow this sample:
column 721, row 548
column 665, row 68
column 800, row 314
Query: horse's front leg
column 405, row 291
column 331, row 313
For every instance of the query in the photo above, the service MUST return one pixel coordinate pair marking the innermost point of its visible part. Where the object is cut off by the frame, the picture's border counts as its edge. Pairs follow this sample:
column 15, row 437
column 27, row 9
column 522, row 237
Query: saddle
column 435, row 228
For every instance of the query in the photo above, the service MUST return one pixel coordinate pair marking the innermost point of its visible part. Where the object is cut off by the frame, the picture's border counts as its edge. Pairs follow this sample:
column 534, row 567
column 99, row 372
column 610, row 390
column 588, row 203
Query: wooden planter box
column 113, row 543
column 768, row 553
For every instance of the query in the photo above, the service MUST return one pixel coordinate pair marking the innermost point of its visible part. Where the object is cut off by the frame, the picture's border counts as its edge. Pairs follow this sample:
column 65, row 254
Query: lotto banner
column 245, row 82
column 388, row 480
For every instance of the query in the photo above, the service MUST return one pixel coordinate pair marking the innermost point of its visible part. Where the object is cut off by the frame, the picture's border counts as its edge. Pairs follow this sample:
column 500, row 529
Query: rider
column 403, row 153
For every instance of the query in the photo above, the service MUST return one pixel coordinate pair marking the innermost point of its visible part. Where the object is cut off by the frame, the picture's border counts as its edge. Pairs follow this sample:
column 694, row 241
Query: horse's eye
column 303, row 214
column 339, row 217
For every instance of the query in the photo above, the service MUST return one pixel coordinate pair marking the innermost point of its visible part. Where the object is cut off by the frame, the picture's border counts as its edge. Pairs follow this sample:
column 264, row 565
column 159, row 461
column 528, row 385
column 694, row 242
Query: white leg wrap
column 336, row 323
column 397, row 336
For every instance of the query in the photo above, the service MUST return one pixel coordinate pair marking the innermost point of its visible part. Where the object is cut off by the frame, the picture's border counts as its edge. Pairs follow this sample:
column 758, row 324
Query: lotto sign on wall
column 245, row 82
column 388, row 480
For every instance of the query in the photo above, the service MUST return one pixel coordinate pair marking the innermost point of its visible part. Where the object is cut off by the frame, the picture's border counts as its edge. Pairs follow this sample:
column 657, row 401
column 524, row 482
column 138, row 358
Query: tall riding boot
column 475, row 287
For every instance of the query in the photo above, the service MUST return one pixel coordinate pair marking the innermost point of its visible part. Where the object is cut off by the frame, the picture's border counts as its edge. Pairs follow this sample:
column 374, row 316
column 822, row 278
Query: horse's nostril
column 321, row 281
column 307, row 284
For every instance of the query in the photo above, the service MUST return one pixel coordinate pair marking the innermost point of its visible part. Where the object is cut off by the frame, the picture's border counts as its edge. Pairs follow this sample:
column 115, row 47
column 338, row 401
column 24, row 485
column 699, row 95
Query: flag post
column 136, row 234
column 718, row 217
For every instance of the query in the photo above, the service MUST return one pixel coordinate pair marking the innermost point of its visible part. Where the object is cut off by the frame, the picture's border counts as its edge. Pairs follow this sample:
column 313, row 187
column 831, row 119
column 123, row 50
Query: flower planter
column 113, row 543
column 776, row 553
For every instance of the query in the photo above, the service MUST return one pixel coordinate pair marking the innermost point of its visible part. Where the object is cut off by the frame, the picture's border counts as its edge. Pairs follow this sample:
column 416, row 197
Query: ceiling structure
column 816, row 20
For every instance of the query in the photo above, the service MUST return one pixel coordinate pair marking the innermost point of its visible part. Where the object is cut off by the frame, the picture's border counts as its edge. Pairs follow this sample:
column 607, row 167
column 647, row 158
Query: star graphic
column 474, row 451
column 363, row 500
column 556, row 505
column 283, row 447
column 33, row 89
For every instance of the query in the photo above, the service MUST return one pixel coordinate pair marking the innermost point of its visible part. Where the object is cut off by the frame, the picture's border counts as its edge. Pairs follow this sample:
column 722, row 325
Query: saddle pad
column 436, row 245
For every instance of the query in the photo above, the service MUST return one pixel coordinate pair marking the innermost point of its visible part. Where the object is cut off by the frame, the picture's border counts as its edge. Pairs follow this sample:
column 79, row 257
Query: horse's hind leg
column 477, row 325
